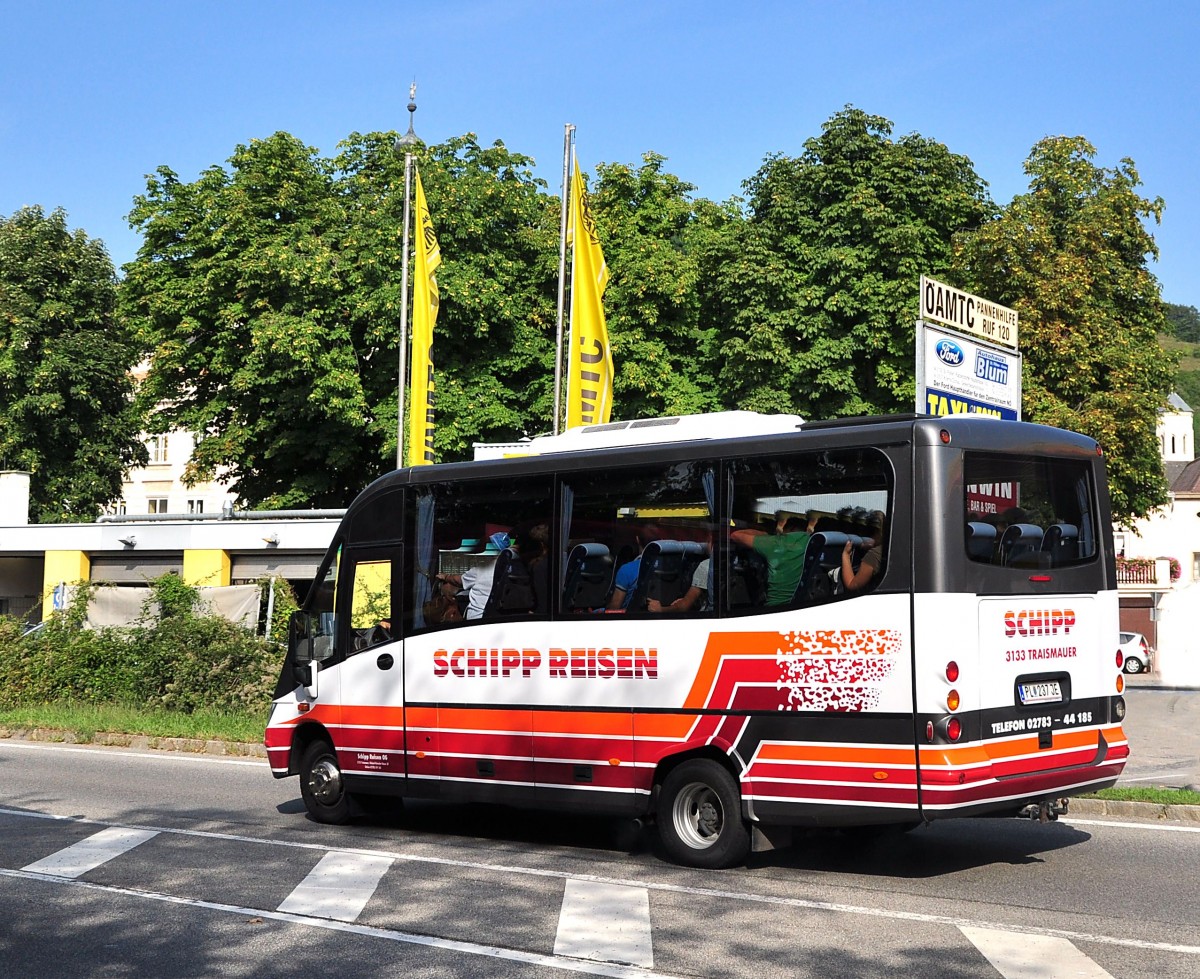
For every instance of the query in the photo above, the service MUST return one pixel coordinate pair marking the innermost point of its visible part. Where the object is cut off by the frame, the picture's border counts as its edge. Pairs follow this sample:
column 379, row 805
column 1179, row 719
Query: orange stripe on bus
column 870, row 755
column 728, row 644
column 618, row 723
column 984, row 752
column 484, row 719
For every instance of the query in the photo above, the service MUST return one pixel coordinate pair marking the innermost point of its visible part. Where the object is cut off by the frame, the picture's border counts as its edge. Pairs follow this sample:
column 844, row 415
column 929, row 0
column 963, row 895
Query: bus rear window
column 1028, row 513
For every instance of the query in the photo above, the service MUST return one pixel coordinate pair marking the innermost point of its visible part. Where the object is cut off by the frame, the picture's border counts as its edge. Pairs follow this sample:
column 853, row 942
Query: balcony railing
column 1146, row 572
column 1136, row 574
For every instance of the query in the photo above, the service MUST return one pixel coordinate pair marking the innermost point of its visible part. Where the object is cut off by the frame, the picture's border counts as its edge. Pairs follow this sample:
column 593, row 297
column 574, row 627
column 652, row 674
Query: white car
column 1135, row 651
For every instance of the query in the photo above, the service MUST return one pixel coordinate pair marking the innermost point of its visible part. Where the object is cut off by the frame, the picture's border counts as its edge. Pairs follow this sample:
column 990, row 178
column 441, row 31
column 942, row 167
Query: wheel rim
column 698, row 815
column 1132, row 666
column 325, row 781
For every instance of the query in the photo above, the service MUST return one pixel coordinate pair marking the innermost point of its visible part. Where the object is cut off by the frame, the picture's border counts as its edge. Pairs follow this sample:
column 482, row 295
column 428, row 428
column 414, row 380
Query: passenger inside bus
column 694, row 599
column 783, row 552
column 625, row 582
column 532, row 541
column 857, row 578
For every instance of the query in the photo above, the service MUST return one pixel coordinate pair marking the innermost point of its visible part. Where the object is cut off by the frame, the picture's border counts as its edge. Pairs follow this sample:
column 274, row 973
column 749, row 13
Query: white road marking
column 77, row 859
column 1018, row 956
column 1160, row 827
column 702, row 892
column 563, row 964
column 605, row 922
column 119, row 752
column 338, row 887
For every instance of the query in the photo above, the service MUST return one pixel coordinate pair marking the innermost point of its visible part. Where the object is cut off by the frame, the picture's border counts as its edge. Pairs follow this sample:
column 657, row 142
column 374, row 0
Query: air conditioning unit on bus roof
column 680, row 428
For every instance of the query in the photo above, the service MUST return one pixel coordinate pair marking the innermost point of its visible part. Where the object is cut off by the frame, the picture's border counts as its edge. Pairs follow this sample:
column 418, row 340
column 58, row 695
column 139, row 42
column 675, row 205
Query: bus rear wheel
column 699, row 816
column 322, row 785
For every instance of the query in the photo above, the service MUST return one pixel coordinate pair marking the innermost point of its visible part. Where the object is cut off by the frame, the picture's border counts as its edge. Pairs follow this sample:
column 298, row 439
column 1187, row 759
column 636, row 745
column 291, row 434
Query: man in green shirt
column 783, row 552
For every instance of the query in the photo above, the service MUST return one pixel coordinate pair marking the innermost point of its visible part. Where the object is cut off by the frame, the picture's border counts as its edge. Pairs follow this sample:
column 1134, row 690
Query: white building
column 158, row 487
column 1170, row 533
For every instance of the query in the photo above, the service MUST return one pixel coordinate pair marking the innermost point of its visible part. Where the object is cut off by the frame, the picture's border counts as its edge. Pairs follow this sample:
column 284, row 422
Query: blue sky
column 96, row 95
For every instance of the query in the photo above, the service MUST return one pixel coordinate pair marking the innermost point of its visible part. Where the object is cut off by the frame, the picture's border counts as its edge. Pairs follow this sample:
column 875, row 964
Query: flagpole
column 406, row 143
column 562, row 272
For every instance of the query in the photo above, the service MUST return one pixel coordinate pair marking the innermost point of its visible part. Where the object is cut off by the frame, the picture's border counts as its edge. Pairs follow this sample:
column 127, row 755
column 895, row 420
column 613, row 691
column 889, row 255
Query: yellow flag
column 590, row 366
column 425, row 309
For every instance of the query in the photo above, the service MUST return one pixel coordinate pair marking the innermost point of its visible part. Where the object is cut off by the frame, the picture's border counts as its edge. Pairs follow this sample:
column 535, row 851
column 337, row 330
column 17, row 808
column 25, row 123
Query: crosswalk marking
column 707, row 894
column 605, row 923
column 77, row 859
column 1019, row 955
column 490, row 952
column 338, row 887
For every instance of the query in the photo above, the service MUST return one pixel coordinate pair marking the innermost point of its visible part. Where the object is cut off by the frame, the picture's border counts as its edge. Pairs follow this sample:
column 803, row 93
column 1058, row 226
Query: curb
column 1150, row 812
column 141, row 742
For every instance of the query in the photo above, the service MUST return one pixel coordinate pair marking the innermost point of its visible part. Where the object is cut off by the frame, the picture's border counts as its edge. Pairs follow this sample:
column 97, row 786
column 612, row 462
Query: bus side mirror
column 300, row 637
column 300, row 647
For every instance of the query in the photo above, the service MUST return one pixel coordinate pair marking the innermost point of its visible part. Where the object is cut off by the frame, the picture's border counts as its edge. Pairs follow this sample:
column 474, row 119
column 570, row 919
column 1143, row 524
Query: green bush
column 182, row 662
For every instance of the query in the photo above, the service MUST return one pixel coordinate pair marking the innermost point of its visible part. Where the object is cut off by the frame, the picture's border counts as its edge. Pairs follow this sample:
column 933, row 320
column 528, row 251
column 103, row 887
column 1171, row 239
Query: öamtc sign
column 968, row 313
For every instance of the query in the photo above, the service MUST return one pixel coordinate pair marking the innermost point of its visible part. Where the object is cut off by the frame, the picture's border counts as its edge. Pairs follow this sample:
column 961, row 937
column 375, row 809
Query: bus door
column 370, row 736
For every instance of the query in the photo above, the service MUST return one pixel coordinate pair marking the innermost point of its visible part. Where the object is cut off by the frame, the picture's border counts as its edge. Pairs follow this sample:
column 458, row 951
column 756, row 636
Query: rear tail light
column 952, row 671
column 952, row 700
column 953, row 729
column 1120, row 659
column 1120, row 683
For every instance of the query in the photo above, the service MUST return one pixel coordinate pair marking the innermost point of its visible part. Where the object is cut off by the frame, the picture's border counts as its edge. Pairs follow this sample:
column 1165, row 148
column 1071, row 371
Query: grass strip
column 85, row 720
column 1146, row 793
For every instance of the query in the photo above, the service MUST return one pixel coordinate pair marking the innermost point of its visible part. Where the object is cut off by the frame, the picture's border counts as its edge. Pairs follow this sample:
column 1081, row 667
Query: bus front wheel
column 322, row 785
column 699, row 816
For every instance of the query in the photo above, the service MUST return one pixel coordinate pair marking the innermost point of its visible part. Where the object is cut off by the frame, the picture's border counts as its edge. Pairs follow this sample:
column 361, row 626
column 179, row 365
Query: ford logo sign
column 949, row 352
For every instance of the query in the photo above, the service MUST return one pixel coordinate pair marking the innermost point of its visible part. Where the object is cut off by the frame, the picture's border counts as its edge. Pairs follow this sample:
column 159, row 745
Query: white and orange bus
column 732, row 625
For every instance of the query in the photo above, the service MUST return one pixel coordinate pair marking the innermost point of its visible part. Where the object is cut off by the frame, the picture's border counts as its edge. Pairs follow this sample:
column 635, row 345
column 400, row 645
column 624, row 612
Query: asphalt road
column 123, row 863
column 1163, row 727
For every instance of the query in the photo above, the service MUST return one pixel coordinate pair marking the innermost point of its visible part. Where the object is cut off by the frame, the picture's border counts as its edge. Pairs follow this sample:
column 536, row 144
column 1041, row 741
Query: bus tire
column 322, row 786
column 699, row 816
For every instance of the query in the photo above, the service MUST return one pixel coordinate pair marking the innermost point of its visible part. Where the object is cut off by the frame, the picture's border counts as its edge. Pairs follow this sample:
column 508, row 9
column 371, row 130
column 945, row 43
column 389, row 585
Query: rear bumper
column 1004, row 774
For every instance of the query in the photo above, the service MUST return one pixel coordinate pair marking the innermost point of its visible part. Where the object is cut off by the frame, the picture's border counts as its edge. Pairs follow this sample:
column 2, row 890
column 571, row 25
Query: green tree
column 1185, row 322
column 241, row 291
column 66, row 407
column 654, row 237
column 819, row 291
column 270, row 295
column 1070, row 255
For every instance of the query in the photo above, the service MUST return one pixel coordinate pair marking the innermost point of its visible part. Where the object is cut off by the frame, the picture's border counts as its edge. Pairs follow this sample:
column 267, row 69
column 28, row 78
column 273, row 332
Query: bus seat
column 1061, row 543
column 1020, row 544
column 512, row 588
column 589, row 577
column 823, row 554
column 666, row 572
column 747, row 578
column 981, row 540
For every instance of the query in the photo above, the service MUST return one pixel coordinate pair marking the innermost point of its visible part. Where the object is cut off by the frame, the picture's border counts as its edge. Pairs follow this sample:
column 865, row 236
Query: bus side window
column 636, row 538
column 805, row 526
column 467, row 537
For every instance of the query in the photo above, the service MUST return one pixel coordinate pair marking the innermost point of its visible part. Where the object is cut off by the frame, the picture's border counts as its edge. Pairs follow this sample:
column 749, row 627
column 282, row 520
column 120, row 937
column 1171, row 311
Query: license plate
column 1045, row 692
